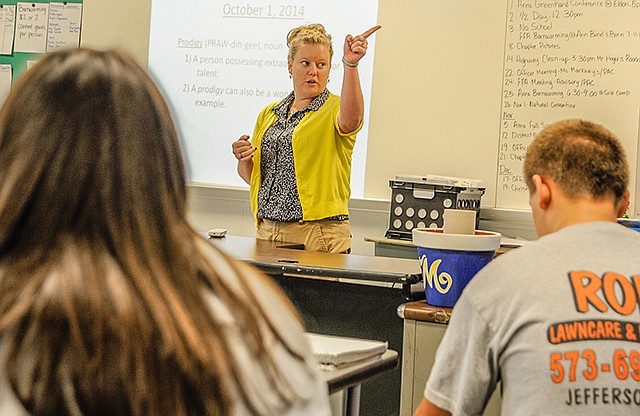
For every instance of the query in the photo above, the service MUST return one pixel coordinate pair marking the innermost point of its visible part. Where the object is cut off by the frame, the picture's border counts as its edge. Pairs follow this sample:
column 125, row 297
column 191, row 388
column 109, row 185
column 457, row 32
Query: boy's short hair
column 582, row 157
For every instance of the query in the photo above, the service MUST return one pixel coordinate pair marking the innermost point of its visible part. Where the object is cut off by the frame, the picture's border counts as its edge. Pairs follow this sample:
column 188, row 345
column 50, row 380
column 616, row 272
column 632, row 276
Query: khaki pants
column 323, row 235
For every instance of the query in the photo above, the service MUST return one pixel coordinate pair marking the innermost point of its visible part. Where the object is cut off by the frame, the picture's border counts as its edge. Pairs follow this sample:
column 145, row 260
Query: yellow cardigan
column 322, row 160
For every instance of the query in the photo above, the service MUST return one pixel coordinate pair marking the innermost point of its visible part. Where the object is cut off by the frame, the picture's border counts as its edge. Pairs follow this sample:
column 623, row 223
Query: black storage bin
column 419, row 202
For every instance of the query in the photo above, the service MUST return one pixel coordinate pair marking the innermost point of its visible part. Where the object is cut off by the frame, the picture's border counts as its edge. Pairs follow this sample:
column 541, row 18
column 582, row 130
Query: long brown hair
column 101, row 277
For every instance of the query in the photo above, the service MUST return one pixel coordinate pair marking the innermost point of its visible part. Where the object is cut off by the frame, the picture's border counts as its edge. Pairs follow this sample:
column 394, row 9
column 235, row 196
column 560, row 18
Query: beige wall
column 122, row 24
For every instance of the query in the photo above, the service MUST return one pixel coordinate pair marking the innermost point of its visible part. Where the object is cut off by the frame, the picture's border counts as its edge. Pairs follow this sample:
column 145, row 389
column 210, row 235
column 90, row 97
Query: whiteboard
column 470, row 83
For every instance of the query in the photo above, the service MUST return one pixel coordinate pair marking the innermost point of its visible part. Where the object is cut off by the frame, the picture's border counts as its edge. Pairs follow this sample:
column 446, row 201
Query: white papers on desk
column 332, row 350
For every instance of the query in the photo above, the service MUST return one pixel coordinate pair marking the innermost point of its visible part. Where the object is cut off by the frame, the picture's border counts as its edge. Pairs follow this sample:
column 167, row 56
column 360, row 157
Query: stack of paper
column 340, row 350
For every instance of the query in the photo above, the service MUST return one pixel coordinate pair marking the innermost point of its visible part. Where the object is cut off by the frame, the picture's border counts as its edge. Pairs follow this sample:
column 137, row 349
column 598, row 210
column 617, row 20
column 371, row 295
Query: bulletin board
column 18, row 60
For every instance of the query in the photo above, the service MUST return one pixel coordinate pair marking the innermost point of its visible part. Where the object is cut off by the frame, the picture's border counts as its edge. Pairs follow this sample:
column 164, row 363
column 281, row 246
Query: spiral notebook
column 332, row 350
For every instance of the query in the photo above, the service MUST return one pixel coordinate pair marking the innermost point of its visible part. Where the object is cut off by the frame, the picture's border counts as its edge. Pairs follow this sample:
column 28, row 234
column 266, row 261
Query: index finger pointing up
column 371, row 31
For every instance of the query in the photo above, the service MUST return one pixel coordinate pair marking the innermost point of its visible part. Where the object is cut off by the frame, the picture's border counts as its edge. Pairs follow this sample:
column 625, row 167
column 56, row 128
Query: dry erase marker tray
column 420, row 201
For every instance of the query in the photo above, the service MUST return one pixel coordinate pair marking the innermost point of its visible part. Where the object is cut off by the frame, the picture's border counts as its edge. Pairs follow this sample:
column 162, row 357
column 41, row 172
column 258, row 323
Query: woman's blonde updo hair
column 310, row 34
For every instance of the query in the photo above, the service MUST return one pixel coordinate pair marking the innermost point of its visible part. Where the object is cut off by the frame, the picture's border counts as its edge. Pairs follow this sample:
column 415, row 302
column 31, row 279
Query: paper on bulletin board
column 7, row 25
column 31, row 27
column 5, row 81
column 64, row 25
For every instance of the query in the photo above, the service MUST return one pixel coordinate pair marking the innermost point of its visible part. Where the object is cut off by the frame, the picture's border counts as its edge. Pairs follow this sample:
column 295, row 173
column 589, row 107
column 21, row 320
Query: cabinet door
column 421, row 340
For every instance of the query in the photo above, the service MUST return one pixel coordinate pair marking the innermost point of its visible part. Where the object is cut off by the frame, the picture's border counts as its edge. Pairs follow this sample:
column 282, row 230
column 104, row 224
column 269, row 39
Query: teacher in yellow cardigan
column 298, row 163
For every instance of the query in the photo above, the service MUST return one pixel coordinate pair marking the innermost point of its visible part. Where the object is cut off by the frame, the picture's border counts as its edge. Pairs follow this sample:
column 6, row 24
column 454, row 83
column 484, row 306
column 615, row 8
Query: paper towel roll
column 459, row 221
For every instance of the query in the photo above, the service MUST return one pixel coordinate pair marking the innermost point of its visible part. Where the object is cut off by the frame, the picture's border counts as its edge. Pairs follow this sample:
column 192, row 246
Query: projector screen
column 220, row 62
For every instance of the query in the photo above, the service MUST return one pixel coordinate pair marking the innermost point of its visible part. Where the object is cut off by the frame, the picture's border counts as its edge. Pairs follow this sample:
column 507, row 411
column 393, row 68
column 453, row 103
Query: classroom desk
column 340, row 294
column 424, row 327
column 405, row 249
column 351, row 377
column 393, row 247
column 292, row 260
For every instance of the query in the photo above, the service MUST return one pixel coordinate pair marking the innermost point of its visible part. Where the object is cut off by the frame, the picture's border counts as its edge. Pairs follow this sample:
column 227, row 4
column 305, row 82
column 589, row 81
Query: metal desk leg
column 352, row 401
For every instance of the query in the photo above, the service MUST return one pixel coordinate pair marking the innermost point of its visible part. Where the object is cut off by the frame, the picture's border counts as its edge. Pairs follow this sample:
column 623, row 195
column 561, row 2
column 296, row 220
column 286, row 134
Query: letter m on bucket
column 441, row 282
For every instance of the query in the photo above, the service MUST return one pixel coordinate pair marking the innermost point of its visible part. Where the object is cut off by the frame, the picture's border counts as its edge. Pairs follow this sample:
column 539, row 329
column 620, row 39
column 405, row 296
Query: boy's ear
column 543, row 191
column 624, row 204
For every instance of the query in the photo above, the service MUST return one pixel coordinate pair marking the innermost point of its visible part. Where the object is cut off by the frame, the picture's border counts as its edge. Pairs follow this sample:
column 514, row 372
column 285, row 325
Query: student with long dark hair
column 110, row 303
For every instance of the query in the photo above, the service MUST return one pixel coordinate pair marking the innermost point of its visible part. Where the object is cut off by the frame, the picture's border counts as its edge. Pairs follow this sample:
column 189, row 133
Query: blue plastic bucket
column 449, row 261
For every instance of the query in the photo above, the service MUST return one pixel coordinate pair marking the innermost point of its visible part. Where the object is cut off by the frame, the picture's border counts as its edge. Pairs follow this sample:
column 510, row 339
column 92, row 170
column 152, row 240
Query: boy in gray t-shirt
column 556, row 321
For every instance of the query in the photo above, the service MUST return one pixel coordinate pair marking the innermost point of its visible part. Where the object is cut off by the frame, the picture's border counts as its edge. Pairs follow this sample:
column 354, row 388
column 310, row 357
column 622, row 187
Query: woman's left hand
column 355, row 47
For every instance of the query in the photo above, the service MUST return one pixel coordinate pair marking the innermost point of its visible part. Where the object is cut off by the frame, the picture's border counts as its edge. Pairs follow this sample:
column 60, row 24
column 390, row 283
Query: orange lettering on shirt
column 585, row 286
column 629, row 297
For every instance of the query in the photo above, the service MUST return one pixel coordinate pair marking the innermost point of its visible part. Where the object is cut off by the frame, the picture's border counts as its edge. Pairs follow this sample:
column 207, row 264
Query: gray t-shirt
column 557, row 321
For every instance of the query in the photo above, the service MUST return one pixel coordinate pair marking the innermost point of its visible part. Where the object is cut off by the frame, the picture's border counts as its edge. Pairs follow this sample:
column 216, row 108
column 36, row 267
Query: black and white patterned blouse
column 278, row 198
